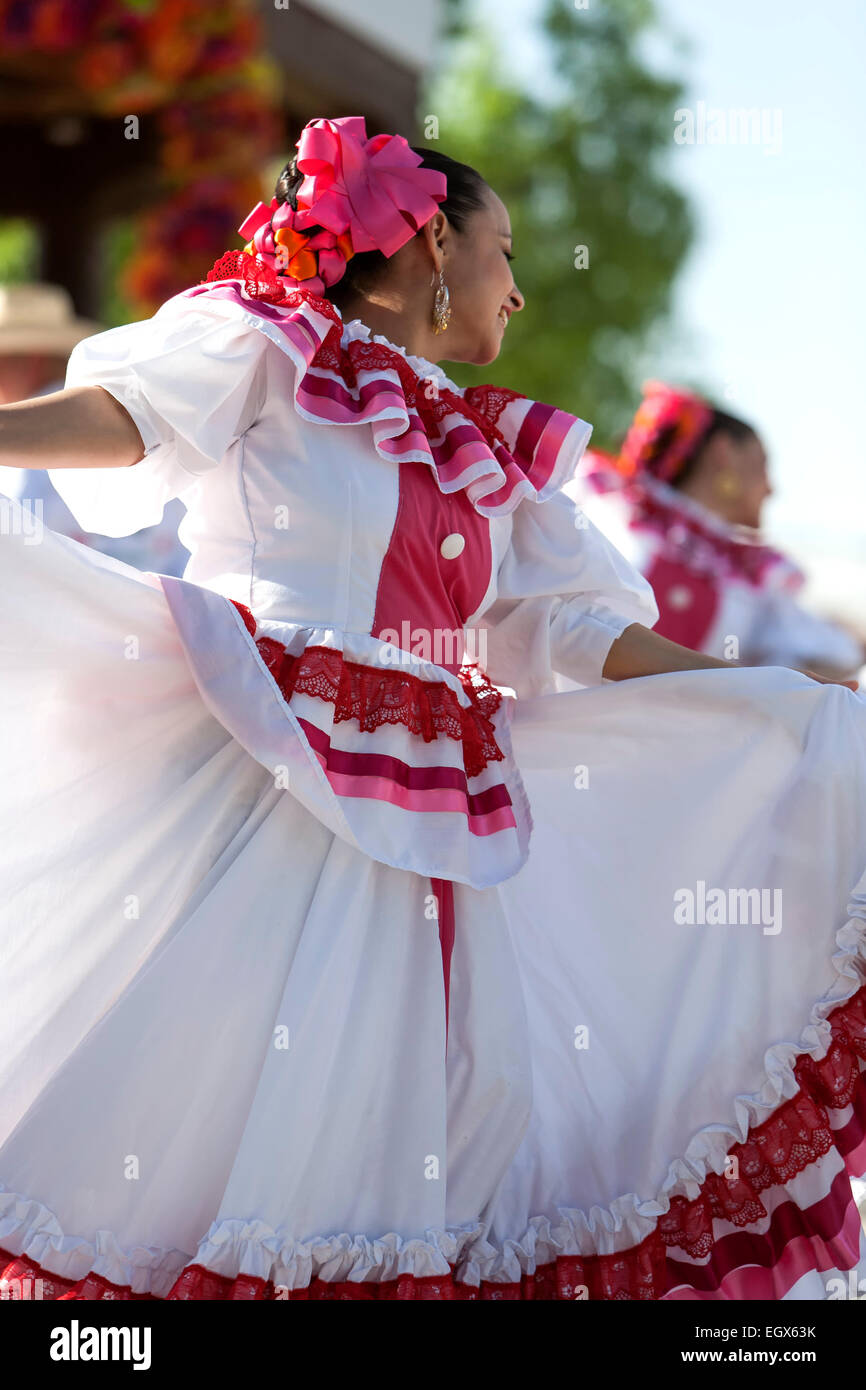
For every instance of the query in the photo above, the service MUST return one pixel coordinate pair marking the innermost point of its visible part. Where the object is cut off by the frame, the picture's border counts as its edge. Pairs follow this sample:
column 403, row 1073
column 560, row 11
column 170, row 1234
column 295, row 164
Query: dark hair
column 721, row 423
column 656, row 453
column 466, row 189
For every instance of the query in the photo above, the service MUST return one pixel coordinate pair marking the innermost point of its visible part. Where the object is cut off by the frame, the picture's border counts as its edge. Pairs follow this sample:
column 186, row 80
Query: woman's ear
column 437, row 235
column 716, row 454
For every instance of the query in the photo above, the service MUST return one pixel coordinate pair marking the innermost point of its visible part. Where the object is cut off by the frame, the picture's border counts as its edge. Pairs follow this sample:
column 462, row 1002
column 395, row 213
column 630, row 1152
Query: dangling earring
column 441, row 304
column 728, row 485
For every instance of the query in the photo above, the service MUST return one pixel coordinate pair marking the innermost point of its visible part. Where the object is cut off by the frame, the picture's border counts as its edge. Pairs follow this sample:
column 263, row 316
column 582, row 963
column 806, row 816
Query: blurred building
column 363, row 59
column 69, row 164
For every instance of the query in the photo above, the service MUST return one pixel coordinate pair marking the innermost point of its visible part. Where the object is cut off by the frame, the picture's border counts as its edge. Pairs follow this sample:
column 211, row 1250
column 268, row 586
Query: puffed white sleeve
column 193, row 382
column 564, row 594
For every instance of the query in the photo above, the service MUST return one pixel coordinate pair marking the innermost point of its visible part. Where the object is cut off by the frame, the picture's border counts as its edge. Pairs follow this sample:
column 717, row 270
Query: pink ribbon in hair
column 373, row 189
column 365, row 195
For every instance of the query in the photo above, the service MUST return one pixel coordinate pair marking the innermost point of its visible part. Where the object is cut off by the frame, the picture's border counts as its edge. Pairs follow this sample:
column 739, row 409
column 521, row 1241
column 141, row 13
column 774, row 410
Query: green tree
column 19, row 251
column 579, row 166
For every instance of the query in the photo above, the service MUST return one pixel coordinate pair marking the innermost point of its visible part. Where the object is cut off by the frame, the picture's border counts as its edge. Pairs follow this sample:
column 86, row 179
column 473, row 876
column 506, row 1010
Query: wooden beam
column 101, row 164
column 71, row 191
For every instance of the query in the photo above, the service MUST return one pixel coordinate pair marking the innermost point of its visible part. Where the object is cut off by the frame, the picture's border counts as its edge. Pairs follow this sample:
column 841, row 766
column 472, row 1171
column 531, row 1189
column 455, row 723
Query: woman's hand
column 82, row 427
column 830, row 680
column 638, row 651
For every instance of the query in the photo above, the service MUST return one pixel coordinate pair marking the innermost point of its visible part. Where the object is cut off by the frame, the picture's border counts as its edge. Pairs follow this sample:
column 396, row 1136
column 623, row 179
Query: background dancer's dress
column 292, row 1004
column 712, row 580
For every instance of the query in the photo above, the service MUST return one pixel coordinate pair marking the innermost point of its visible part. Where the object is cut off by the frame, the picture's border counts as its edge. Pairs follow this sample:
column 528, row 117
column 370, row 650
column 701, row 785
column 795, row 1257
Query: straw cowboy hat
column 40, row 318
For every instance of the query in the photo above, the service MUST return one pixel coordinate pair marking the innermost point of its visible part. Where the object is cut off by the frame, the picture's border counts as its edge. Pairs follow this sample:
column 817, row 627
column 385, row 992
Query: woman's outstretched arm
column 639, row 651
column 81, row 427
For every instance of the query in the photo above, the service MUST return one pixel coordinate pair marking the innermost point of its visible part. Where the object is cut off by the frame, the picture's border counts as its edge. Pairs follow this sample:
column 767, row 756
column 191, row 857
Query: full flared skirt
column 226, row 1065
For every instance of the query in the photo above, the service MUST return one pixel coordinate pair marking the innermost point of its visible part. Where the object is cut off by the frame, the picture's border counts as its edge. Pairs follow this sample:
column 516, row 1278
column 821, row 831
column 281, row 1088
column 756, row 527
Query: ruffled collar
column 356, row 330
column 494, row 444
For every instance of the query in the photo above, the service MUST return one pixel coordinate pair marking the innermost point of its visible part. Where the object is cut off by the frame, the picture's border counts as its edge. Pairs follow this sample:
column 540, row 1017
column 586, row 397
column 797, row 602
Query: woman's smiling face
column 477, row 271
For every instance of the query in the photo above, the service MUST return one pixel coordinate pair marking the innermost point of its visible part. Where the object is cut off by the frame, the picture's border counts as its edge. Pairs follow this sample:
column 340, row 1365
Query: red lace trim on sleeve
column 372, row 696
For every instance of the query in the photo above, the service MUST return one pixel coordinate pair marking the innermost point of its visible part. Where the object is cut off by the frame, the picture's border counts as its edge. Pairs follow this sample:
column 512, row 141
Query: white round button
column 679, row 597
column 452, row 546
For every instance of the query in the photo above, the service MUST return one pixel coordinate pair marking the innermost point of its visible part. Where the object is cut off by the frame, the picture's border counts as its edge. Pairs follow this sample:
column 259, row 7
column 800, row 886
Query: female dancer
column 293, row 1006
column 683, row 501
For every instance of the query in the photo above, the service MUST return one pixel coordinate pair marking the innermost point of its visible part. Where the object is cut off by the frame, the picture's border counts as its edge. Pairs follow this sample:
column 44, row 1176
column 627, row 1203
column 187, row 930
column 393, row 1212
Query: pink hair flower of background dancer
column 664, row 410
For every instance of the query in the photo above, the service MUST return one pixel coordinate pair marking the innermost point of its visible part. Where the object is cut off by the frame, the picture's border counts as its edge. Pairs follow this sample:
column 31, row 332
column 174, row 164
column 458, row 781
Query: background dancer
column 684, row 501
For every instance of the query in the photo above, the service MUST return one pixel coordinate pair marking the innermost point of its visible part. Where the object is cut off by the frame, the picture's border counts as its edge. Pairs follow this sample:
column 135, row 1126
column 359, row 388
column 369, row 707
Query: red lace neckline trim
column 688, row 539
column 701, row 547
column 373, row 696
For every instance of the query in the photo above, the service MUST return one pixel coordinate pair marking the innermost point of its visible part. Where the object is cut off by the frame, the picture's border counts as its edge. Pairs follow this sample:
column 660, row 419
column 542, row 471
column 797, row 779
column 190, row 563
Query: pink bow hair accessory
column 374, row 189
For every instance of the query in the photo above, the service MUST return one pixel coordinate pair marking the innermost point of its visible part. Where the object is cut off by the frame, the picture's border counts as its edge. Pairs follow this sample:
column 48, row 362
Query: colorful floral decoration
column 199, row 70
column 277, row 236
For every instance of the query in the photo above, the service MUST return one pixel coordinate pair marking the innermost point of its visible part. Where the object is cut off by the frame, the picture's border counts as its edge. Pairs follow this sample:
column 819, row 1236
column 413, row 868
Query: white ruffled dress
column 327, row 970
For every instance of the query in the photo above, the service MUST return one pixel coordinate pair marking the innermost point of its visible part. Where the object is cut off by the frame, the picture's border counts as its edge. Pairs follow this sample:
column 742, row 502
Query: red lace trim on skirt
column 372, row 696
column 794, row 1136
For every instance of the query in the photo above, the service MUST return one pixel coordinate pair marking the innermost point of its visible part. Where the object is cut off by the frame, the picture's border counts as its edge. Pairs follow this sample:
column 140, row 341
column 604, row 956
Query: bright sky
column 771, row 307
